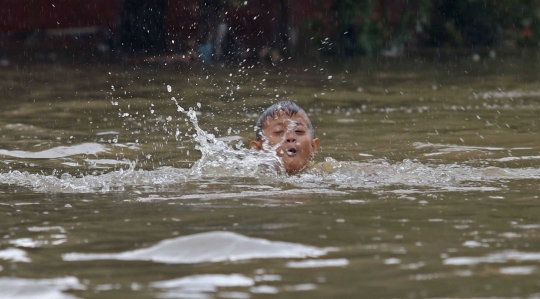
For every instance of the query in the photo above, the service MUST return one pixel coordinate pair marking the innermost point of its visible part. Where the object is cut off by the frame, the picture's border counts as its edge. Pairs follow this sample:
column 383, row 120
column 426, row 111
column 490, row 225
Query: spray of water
column 219, row 158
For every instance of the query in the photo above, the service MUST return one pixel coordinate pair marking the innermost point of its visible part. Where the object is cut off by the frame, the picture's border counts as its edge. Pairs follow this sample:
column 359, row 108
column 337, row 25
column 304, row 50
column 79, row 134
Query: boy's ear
column 256, row 145
column 315, row 144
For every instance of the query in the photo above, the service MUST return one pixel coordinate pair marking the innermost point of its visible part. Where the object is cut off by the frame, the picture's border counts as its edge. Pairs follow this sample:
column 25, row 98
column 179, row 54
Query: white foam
column 264, row 289
column 209, row 196
column 233, row 295
column 22, row 127
column 428, row 276
column 354, row 201
column 112, row 181
column 392, row 261
column 521, row 270
column 510, row 235
column 506, row 94
column 229, row 138
column 472, row 244
column 206, row 280
column 107, row 133
column 513, row 158
column 14, row 255
column 528, row 226
column 196, row 286
column 95, row 162
column 20, row 288
column 301, row 287
column 28, row 242
column 46, row 228
column 215, row 246
column 345, row 120
column 456, row 148
column 500, row 257
column 413, row 266
column 220, row 160
column 58, row 152
column 319, row 263
column 178, row 294
column 267, row 277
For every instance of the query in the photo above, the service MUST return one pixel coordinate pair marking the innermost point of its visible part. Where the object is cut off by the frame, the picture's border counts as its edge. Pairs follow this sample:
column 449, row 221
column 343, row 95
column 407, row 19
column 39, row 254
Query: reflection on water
column 426, row 185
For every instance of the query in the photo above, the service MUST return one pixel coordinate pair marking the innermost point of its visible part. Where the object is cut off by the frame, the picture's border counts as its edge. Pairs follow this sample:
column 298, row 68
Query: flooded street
column 426, row 184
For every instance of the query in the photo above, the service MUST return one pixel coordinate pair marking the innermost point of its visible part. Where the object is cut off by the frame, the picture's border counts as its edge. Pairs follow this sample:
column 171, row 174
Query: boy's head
column 287, row 127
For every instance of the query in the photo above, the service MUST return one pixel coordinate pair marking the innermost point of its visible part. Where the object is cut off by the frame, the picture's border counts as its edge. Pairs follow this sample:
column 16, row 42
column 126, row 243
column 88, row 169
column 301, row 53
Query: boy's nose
column 291, row 137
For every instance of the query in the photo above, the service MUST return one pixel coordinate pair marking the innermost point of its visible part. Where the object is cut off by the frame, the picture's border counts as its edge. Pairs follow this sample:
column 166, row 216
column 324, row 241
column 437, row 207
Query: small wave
column 235, row 163
column 520, row 270
column 19, row 288
column 112, row 181
column 375, row 174
column 206, row 280
column 58, row 152
column 319, row 263
column 207, row 247
column 500, row 94
column 14, row 255
column 327, row 177
column 219, row 158
column 499, row 257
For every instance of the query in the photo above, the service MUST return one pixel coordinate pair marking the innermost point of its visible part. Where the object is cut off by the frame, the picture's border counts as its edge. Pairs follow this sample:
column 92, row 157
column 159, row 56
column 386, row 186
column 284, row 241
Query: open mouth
column 291, row 152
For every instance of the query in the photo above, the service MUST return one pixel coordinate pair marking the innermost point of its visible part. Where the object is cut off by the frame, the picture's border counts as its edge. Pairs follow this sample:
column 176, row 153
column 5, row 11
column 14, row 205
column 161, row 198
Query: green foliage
column 519, row 21
column 367, row 26
column 465, row 23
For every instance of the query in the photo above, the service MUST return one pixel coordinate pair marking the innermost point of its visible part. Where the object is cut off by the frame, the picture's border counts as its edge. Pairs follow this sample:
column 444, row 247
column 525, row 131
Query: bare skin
column 291, row 137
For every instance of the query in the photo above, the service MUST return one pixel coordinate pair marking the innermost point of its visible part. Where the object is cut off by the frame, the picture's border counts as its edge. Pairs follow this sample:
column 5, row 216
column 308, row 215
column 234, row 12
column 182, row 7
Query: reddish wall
column 252, row 22
column 25, row 16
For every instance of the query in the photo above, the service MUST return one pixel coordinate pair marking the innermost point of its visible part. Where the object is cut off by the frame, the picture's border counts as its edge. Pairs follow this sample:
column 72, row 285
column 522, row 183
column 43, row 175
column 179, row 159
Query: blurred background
column 182, row 31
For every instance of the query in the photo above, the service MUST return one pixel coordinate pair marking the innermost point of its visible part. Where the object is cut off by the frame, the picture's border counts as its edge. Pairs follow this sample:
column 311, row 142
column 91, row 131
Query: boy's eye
column 300, row 132
column 278, row 132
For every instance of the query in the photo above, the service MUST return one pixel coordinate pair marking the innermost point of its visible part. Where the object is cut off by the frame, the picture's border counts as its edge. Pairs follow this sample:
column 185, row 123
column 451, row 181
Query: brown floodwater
column 426, row 185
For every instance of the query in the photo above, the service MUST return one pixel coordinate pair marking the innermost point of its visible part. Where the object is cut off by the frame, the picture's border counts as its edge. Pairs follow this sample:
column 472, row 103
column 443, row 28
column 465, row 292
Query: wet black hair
column 289, row 108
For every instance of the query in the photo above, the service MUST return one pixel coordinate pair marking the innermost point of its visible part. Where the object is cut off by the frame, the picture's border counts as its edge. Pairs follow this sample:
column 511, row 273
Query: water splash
column 380, row 173
column 262, row 172
column 115, row 181
column 219, row 158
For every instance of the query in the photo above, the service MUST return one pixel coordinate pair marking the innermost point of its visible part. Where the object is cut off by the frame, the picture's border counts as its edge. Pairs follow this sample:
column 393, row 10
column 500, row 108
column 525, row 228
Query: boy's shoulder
column 330, row 165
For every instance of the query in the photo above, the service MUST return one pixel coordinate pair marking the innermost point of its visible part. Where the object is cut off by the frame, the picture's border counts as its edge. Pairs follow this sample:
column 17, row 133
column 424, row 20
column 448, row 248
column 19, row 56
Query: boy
column 286, row 128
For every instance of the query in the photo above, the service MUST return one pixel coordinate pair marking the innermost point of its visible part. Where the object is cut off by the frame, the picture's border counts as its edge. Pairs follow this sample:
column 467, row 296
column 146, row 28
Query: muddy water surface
column 426, row 185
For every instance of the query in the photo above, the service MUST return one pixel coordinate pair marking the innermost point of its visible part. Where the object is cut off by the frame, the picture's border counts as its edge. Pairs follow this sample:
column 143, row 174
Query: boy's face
column 292, row 139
